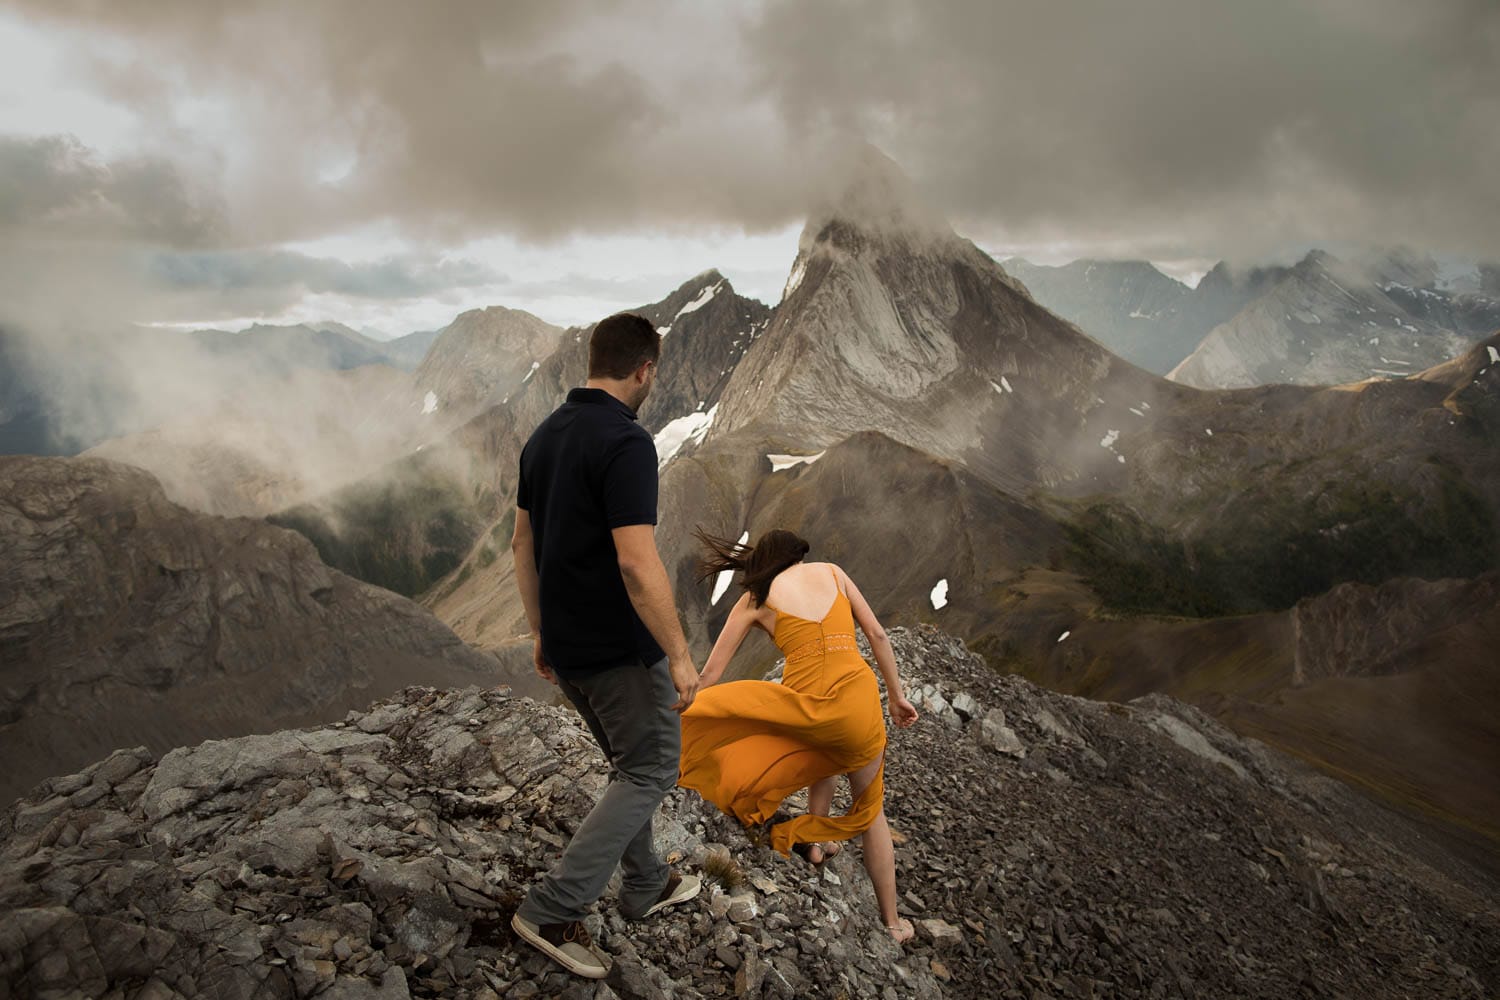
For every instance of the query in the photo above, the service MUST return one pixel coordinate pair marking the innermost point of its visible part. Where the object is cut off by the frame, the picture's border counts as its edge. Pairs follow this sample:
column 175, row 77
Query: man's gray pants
column 629, row 711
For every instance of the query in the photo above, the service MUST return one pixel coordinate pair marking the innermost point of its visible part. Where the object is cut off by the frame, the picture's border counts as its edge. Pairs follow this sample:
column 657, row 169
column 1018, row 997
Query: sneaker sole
column 557, row 955
column 680, row 897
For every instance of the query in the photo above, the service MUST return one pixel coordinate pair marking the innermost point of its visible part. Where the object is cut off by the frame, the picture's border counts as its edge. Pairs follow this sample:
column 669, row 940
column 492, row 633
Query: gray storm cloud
column 55, row 187
column 1172, row 126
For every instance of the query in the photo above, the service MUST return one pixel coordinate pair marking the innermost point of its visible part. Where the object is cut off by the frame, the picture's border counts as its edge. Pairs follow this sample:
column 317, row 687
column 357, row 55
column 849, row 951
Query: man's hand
column 542, row 669
column 685, row 680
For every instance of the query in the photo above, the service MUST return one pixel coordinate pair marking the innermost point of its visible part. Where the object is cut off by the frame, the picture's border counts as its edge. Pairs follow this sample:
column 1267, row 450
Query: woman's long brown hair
column 773, row 552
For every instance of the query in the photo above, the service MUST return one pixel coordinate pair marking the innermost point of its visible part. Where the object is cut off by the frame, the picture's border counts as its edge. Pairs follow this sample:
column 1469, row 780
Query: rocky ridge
column 1047, row 845
column 479, row 358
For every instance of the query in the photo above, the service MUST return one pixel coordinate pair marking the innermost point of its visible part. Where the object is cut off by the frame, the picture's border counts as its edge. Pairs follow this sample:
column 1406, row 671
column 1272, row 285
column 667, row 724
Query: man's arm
column 523, row 552
column 651, row 592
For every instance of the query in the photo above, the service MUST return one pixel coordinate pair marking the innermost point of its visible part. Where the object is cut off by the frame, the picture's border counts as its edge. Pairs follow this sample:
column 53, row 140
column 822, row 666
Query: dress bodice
column 798, row 637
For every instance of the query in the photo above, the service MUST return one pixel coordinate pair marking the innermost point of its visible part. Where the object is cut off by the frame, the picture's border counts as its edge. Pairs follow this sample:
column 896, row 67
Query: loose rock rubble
column 1047, row 846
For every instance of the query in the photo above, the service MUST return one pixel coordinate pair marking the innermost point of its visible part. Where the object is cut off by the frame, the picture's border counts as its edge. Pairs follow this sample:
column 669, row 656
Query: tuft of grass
column 719, row 866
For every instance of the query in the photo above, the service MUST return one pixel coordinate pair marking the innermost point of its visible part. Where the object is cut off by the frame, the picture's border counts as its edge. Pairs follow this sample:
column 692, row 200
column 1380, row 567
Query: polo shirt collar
column 598, row 397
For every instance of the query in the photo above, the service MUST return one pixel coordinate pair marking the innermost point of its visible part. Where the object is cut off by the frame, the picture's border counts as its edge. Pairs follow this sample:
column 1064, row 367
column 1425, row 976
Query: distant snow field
column 1494, row 355
column 1110, row 439
column 429, row 404
column 940, row 595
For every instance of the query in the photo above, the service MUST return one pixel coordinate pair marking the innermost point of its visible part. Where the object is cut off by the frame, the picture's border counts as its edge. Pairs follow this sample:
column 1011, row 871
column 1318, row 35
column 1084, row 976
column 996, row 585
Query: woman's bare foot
column 816, row 854
column 901, row 930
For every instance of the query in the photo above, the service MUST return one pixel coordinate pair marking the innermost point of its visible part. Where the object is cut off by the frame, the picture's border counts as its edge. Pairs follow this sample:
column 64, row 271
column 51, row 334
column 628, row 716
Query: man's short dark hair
column 621, row 344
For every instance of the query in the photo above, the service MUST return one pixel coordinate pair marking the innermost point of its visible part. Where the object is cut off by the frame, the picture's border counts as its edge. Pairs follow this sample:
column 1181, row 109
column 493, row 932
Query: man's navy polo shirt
column 587, row 469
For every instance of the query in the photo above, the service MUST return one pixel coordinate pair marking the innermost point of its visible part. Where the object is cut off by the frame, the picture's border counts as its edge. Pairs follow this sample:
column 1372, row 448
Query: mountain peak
column 866, row 192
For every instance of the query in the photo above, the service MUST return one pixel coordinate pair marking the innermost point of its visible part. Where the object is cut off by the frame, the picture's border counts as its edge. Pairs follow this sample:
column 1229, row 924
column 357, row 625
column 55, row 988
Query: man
column 606, row 632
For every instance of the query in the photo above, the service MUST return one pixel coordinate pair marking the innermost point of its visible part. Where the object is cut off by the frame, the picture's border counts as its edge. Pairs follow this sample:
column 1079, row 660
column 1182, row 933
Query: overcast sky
column 388, row 164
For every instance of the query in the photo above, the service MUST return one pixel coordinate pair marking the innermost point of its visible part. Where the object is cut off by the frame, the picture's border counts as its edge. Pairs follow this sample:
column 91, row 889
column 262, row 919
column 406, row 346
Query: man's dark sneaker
column 569, row 945
column 679, row 889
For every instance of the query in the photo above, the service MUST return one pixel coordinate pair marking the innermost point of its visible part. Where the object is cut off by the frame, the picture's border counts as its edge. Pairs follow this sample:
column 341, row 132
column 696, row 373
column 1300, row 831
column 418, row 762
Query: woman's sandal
column 901, row 931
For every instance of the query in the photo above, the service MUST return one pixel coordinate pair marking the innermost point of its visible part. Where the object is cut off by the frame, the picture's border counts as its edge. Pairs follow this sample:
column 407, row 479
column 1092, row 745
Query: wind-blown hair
column 773, row 552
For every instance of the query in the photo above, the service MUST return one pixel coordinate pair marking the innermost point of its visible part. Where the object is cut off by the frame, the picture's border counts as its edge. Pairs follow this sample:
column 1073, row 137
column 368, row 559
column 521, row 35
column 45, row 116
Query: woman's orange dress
column 747, row 745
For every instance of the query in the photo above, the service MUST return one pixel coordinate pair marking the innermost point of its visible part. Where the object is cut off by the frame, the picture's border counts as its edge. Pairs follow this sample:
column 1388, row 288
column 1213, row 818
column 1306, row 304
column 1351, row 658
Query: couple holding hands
column 600, row 606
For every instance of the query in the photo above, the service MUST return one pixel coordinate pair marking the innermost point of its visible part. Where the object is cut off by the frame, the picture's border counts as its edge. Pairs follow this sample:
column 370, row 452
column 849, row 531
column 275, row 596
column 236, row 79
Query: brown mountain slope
column 1393, row 687
column 125, row 619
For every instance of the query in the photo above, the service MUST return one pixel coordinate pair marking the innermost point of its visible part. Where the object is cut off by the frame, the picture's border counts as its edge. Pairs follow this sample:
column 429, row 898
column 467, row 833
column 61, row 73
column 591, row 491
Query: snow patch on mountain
column 701, row 301
column 671, row 438
column 939, row 595
column 721, row 582
column 794, row 279
column 779, row 462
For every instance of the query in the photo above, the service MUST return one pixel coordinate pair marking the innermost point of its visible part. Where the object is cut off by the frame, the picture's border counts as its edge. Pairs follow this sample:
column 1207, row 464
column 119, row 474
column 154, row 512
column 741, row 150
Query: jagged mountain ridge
column 1327, row 321
column 479, row 358
column 1124, row 850
column 1135, row 310
column 443, row 511
column 1280, row 323
column 128, row 619
column 709, row 328
column 913, row 332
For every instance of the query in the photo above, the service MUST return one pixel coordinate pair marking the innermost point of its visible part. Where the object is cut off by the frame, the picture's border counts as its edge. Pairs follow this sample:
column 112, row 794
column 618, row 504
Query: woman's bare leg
column 819, row 803
column 880, row 856
column 820, row 796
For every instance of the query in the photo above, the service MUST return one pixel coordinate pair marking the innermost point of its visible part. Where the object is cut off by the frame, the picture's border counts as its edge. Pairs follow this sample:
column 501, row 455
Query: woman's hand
column 903, row 712
column 539, row 659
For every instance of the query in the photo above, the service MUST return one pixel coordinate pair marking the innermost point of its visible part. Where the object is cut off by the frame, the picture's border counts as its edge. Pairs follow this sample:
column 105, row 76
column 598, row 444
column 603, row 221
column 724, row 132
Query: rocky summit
column 1047, row 846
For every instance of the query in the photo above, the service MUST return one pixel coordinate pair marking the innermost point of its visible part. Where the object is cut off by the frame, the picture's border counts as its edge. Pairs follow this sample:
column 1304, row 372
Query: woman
column 747, row 745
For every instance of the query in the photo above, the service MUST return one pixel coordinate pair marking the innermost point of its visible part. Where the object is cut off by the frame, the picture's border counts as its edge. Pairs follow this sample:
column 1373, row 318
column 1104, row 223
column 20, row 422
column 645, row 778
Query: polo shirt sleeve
column 630, row 482
column 523, row 488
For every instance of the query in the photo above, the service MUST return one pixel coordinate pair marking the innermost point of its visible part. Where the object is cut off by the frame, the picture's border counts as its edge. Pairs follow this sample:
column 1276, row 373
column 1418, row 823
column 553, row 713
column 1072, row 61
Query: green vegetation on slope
column 403, row 535
column 1266, row 549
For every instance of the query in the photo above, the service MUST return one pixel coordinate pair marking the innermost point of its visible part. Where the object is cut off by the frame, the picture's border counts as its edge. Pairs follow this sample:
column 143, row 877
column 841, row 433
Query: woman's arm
column 903, row 713
column 741, row 617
